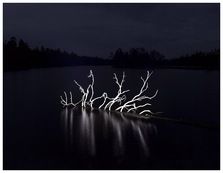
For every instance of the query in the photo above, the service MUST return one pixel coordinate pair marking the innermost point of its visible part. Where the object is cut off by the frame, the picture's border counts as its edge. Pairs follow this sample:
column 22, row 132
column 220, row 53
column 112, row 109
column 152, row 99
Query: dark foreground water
column 40, row 134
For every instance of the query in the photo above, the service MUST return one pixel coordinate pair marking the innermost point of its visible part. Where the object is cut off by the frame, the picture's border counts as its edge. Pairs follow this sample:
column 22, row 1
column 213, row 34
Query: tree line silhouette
column 206, row 60
column 137, row 58
column 17, row 55
column 140, row 58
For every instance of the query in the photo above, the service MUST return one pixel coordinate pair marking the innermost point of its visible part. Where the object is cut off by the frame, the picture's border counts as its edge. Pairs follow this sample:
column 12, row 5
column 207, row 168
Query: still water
column 40, row 134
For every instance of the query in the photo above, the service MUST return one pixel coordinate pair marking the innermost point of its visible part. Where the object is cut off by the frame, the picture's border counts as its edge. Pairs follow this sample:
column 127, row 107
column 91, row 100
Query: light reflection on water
column 90, row 133
column 87, row 137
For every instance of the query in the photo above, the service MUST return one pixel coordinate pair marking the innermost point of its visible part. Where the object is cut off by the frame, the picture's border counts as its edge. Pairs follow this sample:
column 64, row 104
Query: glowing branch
column 137, row 107
column 119, row 97
column 105, row 96
column 145, row 111
column 138, row 97
column 88, row 99
column 92, row 88
column 85, row 94
column 65, row 102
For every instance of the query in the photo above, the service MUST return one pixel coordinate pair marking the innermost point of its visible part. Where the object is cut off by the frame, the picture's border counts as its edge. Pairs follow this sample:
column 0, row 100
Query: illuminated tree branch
column 137, row 107
column 105, row 96
column 138, row 97
column 88, row 99
column 85, row 94
column 118, row 98
column 92, row 88
column 65, row 102
column 148, row 111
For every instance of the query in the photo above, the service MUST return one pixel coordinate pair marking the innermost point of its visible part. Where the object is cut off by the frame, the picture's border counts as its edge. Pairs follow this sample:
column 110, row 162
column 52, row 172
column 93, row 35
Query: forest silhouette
column 17, row 55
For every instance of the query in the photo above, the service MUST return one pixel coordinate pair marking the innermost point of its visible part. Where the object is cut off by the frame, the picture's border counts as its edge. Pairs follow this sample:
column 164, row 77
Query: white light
column 134, row 104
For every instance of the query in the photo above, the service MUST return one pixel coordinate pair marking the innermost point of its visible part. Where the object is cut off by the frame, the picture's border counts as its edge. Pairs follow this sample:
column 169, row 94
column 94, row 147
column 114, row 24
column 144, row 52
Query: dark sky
column 98, row 29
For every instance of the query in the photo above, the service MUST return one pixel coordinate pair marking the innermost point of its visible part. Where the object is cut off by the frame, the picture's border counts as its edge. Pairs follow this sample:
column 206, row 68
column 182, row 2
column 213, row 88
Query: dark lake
column 40, row 134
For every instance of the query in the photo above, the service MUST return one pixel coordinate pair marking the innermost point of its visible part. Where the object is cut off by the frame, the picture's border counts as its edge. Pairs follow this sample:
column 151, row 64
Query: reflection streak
column 117, row 129
column 71, row 125
column 87, row 132
column 139, row 134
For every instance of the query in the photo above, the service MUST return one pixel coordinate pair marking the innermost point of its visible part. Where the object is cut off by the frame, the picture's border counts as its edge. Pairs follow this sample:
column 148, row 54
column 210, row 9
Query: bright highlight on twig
column 132, row 105
column 119, row 97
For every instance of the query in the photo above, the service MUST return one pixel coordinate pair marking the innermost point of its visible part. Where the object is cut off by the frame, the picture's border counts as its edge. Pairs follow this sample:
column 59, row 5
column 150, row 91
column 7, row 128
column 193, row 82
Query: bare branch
column 118, row 97
column 105, row 95
column 148, row 111
column 91, row 86
column 138, row 97
column 140, row 106
column 80, row 87
column 65, row 102
column 71, row 97
column 85, row 94
column 131, row 105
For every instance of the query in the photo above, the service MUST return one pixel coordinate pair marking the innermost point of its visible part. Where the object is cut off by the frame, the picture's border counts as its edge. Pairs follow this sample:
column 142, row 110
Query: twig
column 138, row 97
column 117, row 98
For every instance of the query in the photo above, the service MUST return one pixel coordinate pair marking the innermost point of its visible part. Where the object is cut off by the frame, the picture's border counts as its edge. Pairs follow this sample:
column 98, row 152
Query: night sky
column 98, row 29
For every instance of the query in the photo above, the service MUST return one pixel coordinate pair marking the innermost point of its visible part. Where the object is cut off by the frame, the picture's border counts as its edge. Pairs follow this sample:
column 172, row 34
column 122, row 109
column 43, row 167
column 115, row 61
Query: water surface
column 40, row 134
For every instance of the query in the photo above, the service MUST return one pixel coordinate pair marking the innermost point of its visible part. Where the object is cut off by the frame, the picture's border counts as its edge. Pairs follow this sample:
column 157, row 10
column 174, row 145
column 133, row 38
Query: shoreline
column 122, row 67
